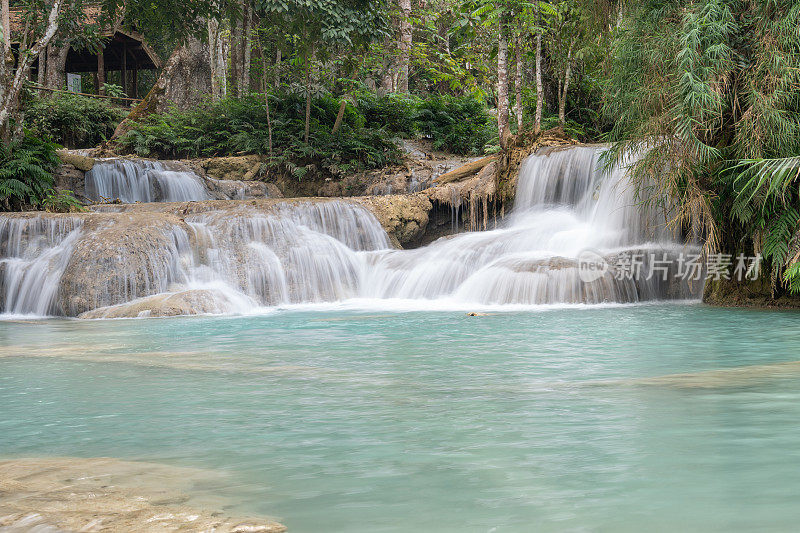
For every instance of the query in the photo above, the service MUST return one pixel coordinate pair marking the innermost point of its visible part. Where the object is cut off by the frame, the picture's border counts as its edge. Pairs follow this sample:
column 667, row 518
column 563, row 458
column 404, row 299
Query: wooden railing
column 37, row 87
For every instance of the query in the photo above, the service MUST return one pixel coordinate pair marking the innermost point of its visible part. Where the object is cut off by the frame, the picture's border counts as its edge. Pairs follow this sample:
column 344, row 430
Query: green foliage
column 56, row 201
column 112, row 89
column 73, row 121
column 327, row 22
column 710, row 89
column 26, row 167
column 239, row 126
column 460, row 125
column 393, row 112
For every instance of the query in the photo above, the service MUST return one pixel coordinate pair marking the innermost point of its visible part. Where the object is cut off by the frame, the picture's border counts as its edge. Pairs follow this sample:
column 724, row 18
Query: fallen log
column 465, row 170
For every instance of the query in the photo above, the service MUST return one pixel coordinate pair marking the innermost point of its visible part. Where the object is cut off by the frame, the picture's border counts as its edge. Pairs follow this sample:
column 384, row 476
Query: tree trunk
column 278, row 63
column 339, row 116
column 236, row 57
column 518, row 81
column 56, row 78
column 537, row 121
column 244, row 83
column 5, row 29
column 101, row 73
column 41, row 75
column 404, row 45
column 265, row 90
column 217, row 60
column 184, row 83
column 502, row 80
column 387, row 80
column 308, row 99
column 562, row 96
column 12, row 80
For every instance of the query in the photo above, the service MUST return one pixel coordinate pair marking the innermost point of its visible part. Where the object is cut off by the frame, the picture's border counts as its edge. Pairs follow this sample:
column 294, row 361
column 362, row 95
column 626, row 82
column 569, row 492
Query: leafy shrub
column 26, row 167
column 393, row 112
column 56, row 201
column 72, row 120
column 456, row 124
column 239, row 126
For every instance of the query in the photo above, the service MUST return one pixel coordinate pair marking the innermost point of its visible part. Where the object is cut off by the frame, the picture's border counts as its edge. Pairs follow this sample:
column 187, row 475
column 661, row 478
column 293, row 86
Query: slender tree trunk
column 247, row 44
column 308, row 97
column 278, row 62
column 236, row 57
column 388, row 79
column 562, row 97
column 41, row 75
column 404, row 45
column 391, row 63
column 5, row 29
column 12, row 80
column 537, row 121
column 101, row 73
column 518, row 81
column 339, row 116
column 217, row 61
column 265, row 90
column 502, row 81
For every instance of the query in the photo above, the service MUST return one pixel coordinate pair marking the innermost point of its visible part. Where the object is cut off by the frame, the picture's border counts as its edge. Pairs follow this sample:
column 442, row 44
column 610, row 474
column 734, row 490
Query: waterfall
column 33, row 255
column 566, row 208
column 142, row 181
column 306, row 252
column 239, row 257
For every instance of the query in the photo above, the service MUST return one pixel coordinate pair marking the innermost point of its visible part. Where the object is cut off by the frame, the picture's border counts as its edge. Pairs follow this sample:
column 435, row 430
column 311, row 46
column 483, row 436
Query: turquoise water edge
column 677, row 417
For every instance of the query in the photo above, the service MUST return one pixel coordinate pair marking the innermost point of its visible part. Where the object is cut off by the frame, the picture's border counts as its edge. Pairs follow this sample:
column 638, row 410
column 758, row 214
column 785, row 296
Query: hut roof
column 113, row 35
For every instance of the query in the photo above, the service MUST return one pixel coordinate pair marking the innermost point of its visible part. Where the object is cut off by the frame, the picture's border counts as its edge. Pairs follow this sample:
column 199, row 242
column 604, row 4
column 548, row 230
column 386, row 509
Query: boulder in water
column 121, row 257
column 403, row 216
column 188, row 302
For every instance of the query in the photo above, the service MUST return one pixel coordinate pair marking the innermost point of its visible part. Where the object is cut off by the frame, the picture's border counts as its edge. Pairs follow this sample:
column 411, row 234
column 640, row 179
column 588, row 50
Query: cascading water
column 236, row 259
column 565, row 207
column 35, row 251
column 300, row 253
column 142, row 181
column 239, row 259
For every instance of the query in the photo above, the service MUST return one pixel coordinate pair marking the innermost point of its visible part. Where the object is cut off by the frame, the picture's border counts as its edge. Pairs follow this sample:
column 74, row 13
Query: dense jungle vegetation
column 706, row 91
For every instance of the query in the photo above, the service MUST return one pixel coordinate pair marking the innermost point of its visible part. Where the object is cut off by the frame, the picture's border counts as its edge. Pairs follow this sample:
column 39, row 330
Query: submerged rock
column 72, row 494
column 188, row 302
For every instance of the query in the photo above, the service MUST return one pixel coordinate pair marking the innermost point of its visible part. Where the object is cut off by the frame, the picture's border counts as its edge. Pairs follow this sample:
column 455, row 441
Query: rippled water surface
column 665, row 417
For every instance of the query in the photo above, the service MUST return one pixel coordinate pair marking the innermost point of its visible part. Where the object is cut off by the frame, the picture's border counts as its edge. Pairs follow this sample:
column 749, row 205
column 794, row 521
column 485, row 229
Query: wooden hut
column 122, row 49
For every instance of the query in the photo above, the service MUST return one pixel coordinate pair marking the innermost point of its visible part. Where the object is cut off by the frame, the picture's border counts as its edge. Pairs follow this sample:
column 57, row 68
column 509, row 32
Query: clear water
column 435, row 421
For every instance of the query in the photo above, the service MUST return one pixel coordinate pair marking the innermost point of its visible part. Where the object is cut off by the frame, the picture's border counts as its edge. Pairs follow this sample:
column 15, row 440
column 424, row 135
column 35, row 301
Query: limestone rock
column 232, row 168
column 189, row 302
column 81, row 162
column 403, row 216
column 69, row 178
column 118, row 259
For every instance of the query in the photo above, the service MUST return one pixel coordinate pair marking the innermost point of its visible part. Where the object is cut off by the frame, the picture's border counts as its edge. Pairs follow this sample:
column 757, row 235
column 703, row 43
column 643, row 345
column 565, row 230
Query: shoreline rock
column 750, row 294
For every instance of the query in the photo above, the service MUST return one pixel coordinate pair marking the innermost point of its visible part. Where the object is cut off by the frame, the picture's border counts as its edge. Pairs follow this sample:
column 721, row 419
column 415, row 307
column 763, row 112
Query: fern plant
column 26, row 167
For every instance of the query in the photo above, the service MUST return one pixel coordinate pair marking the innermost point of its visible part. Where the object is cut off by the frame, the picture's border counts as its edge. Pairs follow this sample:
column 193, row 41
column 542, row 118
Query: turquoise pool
column 658, row 417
